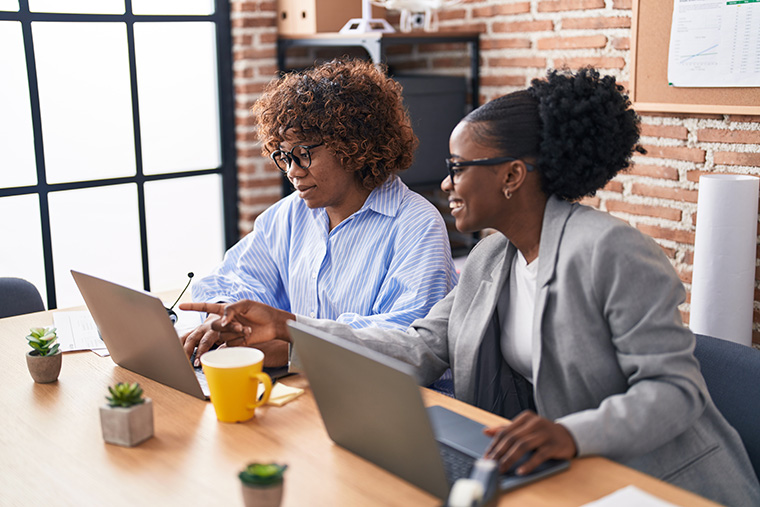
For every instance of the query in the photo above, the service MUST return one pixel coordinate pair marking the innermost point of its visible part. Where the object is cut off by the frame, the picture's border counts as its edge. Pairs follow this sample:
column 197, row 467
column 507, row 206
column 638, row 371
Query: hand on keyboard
column 527, row 442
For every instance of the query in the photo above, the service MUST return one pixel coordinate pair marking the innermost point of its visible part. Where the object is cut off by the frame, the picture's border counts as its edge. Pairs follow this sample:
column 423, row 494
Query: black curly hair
column 579, row 126
column 351, row 106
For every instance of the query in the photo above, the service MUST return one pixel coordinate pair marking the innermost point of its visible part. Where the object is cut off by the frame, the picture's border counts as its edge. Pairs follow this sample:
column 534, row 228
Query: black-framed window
column 117, row 145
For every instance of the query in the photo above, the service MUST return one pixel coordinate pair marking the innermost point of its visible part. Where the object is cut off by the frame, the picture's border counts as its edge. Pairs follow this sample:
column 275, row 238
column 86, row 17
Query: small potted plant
column 262, row 484
column 127, row 419
column 44, row 361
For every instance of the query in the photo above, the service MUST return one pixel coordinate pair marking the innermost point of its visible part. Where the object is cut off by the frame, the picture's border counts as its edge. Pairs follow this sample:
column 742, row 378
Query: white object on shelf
column 412, row 9
column 366, row 24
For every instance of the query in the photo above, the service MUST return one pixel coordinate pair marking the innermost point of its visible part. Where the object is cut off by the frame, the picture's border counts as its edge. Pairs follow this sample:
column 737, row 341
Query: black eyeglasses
column 301, row 155
column 455, row 167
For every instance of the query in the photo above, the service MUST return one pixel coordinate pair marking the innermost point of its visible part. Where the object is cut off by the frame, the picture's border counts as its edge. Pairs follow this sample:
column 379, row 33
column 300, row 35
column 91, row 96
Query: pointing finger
column 215, row 308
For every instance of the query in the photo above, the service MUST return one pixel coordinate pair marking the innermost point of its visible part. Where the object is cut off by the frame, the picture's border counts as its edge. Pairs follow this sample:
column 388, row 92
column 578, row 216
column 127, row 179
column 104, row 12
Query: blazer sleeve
column 424, row 345
column 638, row 293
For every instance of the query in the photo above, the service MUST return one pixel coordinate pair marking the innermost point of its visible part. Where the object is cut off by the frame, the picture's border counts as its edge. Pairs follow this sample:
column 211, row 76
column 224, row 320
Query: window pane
column 21, row 247
column 172, row 6
column 184, row 229
column 16, row 134
column 96, row 231
column 78, row 6
column 85, row 100
column 9, row 5
column 177, row 86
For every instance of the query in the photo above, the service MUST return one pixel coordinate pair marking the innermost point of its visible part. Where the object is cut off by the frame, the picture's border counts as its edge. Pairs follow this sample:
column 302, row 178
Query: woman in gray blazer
column 566, row 319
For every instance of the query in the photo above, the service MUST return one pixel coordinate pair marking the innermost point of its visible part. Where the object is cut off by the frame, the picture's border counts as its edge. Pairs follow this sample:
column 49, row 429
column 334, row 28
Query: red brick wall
column 254, row 42
column 520, row 40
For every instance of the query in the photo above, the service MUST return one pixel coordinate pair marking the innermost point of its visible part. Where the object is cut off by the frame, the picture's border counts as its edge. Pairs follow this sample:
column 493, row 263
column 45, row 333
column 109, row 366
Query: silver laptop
column 371, row 405
column 139, row 334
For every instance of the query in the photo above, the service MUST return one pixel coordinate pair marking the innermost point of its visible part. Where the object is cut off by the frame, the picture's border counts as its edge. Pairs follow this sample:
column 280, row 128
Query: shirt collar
column 386, row 199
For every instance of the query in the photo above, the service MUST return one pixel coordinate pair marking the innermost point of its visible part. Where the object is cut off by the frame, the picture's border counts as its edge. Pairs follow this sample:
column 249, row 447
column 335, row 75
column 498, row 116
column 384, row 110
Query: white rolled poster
column 723, row 280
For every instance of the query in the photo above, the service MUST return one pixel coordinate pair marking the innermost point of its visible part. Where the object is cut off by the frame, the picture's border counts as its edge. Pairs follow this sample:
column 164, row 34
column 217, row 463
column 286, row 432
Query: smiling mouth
column 455, row 205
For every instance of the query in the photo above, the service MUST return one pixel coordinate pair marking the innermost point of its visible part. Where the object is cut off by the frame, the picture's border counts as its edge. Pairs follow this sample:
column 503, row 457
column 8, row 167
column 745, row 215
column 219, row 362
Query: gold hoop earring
column 507, row 193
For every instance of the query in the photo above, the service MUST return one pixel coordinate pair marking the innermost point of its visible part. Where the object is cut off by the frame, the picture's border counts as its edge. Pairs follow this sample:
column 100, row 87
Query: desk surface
column 53, row 452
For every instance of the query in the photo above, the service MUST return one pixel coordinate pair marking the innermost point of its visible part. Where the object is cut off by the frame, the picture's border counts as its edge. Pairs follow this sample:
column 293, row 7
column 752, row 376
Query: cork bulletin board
column 650, row 39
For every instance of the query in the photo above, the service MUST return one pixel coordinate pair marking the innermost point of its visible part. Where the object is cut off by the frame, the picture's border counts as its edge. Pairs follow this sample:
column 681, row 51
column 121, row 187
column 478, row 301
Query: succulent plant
column 42, row 340
column 262, row 474
column 125, row 395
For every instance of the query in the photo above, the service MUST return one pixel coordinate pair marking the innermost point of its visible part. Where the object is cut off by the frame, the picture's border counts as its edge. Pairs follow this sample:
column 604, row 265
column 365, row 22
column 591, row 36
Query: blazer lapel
column 478, row 317
column 556, row 215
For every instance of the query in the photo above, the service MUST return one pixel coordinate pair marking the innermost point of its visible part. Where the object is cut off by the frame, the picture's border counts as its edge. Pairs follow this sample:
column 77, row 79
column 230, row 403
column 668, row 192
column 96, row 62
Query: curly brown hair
column 351, row 106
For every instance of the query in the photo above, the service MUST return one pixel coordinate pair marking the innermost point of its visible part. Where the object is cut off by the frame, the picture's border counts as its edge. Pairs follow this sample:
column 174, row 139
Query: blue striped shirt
column 386, row 265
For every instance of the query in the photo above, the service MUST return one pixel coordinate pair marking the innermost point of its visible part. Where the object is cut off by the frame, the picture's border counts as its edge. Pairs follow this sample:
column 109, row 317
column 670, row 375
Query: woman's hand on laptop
column 204, row 337
column 529, row 433
column 243, row 323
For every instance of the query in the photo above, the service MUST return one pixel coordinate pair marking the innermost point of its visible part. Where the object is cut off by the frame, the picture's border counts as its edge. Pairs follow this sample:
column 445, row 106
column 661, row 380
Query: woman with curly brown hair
column 352, row 243
column 566, row 320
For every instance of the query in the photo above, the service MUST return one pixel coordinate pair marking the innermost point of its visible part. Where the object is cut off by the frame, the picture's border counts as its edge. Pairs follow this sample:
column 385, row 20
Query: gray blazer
column 612, row 360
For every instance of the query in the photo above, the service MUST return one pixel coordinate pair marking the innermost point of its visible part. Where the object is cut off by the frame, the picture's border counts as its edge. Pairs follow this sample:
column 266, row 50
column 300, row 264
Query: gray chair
column 732, row 375
column 17, row 297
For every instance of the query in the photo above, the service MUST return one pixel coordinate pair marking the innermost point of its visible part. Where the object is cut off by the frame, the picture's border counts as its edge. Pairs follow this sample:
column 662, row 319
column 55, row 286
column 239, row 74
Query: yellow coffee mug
column 233, row 375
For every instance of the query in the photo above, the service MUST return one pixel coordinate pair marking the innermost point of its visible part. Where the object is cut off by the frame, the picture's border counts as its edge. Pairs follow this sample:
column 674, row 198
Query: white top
column 516, row 316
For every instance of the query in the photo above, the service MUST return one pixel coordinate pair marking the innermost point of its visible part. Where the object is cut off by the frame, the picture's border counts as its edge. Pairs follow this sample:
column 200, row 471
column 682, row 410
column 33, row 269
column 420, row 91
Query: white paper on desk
column 723, row 280
column 77, row 331
column 187, row 321
column 629, row 496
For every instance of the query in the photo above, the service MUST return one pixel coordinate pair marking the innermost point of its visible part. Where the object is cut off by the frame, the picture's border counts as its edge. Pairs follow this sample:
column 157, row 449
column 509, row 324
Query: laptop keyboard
column 457, row 464
column 201, row 378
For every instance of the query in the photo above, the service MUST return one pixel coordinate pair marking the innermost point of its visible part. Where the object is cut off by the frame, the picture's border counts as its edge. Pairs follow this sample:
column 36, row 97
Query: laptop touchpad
column 458, row 431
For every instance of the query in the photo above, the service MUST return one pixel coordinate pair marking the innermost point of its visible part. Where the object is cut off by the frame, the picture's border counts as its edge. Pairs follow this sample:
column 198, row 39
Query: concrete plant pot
column 44, row 369
column 127, row 427
column 262, row 495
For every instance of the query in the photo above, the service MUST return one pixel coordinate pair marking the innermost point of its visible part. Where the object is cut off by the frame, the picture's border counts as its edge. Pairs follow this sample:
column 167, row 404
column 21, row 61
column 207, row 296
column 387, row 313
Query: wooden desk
column 52, row 451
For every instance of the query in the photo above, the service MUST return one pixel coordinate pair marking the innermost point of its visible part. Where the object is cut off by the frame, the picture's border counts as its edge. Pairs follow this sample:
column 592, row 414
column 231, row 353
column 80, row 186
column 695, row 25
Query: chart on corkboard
column 650, row 86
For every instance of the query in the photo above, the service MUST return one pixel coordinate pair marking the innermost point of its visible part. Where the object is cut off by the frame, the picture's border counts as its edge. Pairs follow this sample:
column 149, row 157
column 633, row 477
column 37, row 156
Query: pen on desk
column 262, row 394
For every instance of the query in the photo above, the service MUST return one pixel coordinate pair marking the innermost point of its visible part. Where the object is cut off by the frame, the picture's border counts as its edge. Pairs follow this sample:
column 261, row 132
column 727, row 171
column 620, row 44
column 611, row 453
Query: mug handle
column 263, row 378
